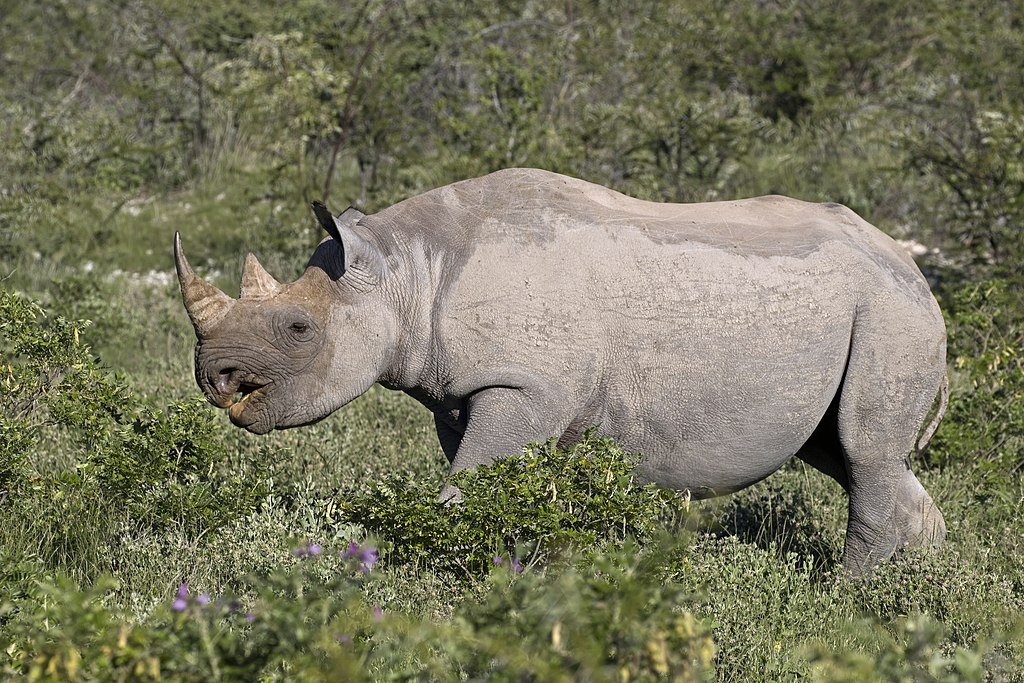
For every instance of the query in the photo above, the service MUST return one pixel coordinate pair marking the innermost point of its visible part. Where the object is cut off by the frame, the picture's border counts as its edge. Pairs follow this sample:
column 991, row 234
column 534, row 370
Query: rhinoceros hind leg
column 896, row 365
column 918, row 519
column 823, row 451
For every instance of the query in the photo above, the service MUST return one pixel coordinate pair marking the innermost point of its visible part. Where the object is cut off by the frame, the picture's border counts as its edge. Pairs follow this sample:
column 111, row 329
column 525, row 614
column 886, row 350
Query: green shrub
column 15, row 445
column 608, row 617
column 984, row 425
column 287, row 633
column 544, row 500
column 915, row 651
column 976, row 155
column 109, row 457
column 159, row 467
column 942, row 585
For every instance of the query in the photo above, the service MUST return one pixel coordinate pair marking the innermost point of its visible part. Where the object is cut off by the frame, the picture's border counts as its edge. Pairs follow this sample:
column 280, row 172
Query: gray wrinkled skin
column 718, row 340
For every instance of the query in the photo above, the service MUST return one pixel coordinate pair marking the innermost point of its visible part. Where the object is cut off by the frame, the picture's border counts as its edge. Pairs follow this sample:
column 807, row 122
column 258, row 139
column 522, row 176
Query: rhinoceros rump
column 718, row 340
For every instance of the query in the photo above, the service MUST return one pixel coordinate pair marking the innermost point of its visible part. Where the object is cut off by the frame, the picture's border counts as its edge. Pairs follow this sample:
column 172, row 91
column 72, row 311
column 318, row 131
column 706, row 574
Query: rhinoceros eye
column 293, row 329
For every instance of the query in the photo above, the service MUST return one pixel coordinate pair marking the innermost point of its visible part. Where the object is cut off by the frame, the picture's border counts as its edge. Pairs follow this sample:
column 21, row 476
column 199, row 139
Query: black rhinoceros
column 718, row 340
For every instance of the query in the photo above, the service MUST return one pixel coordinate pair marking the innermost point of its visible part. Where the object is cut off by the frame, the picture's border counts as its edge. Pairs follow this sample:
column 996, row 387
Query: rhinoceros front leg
column 500, row 421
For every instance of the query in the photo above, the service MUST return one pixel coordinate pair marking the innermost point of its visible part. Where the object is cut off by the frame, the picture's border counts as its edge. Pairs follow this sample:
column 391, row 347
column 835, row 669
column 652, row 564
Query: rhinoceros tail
column 929, row 431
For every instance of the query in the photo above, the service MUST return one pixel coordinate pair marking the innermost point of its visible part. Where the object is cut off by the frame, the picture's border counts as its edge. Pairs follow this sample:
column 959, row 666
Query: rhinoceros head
column 285, row 355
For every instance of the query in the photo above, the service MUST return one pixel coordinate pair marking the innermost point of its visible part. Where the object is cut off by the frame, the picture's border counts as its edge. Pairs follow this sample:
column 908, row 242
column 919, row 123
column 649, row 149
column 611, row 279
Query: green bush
column 114, row 459
column 287, row 633
column 521, row 508
column 609, row 617
column 978, row 156
column 984, row 424
column 915, row 652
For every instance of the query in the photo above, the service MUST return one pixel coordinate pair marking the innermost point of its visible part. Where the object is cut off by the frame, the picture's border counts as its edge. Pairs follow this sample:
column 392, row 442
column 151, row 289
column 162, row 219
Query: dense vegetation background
column 141, row 537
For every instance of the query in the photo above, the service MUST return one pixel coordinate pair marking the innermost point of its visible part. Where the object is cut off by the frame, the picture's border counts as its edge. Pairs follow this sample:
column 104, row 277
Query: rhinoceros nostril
column 226, row 381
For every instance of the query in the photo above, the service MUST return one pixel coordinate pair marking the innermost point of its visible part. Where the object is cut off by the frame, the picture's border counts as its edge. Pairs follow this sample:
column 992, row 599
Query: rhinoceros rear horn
column 204, row 303
column 257, row 283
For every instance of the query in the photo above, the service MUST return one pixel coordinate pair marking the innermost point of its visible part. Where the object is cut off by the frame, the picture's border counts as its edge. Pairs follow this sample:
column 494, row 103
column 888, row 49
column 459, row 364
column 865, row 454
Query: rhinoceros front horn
column 257, row 283
column 205, row 303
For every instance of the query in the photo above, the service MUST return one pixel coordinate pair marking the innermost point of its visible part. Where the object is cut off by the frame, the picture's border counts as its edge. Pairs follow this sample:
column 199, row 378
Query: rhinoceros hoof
column 919, row 522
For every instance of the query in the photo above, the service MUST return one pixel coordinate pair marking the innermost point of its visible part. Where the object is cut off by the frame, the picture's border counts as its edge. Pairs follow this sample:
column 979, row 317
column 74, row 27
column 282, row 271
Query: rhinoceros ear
column 360, row 260
column 335, row 224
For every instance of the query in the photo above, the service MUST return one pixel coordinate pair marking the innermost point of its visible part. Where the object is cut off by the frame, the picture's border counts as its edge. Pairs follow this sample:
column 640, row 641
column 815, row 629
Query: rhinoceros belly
column 715, row 366
column 722, row 373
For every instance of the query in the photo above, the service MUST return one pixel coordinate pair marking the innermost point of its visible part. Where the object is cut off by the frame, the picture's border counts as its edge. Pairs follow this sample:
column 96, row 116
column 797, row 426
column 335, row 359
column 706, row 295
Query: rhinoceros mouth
column 229, row 389
column 242, row 394
column 249, row 411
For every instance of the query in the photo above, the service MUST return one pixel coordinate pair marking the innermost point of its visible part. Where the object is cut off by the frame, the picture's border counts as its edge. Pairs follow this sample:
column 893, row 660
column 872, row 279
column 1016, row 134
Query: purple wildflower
column 498, row 560
column 368, row 556
column 308, row 549
column 203, row 598
column 181, row 601
column 378, row 613
column 250, row 617
column 516, row 565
